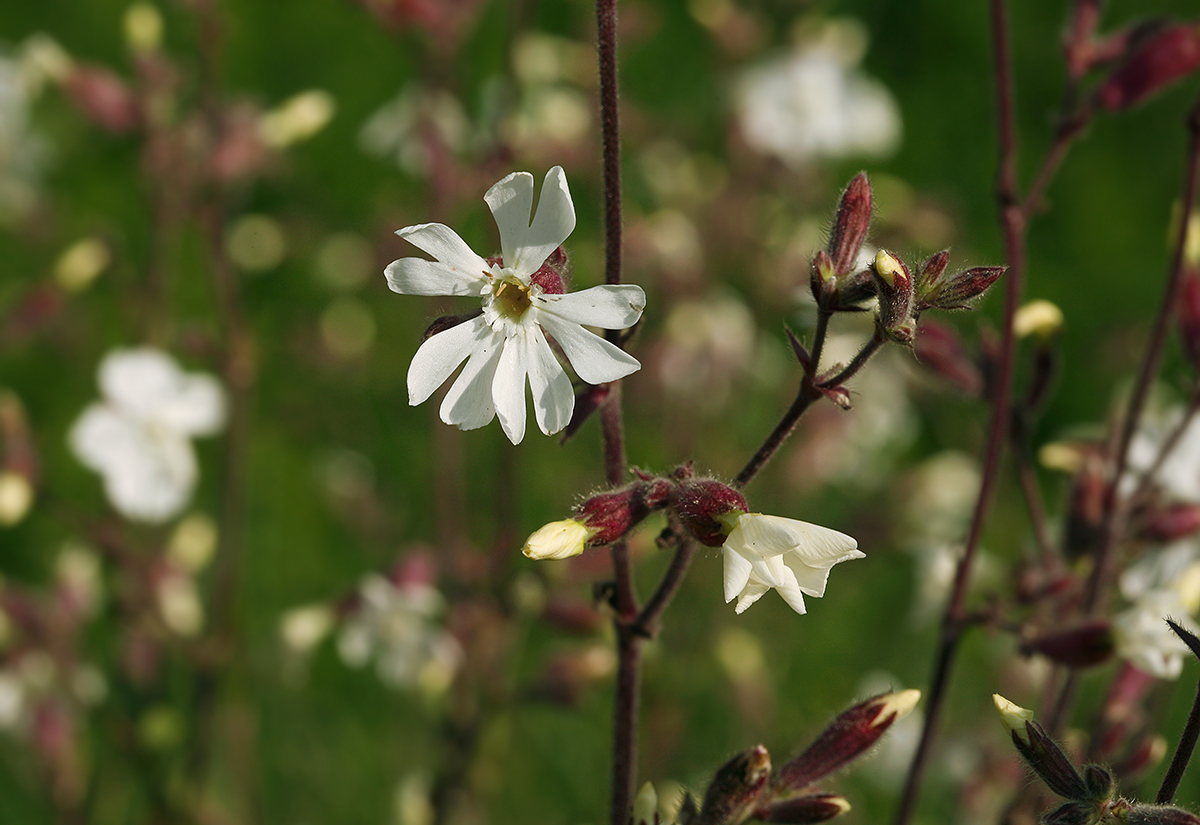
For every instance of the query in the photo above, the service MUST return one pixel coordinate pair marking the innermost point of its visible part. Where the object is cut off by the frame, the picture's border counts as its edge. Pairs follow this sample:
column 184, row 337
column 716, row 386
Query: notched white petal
column 508, row 387
column 553, row 398
column 417, row 276
column 468, row 403
column 594, row 359
column 511, row 201
column 608, row 307
column 444, row 244
column 440, row 355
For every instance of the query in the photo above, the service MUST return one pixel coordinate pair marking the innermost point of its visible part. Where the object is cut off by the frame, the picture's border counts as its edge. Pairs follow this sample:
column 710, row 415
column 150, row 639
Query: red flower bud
column 961, row 289
column 1082, row 646
column 939, row 348
column 1159, row 61
column 1160, row 815
column 850, row 225
column 894, row 286
column 736, row 787
column 552, row 274
column 1170, row 523
column 697, row 503
column 847, row 738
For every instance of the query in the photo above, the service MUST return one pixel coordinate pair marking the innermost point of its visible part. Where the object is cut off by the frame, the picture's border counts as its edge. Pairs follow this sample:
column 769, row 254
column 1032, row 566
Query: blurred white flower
column 794, row 557
column 409, row 128
column 395, row 625
column 1179, row 474
column 23, row 151
column 138, row 437
column 1161, row 585
column 812, row 102
column 523, row 302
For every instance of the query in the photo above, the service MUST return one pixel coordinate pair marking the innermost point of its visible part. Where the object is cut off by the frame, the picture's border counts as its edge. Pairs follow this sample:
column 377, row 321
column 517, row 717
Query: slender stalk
column 610, row 133
column 646, row 624
column 1191, row 730
column 1013, row 225
column 1114, row 509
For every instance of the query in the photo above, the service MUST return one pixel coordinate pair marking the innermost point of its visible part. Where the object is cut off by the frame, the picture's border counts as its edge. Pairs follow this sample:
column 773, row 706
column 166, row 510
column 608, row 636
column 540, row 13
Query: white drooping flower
column 507, row 346
column 813, row 103
column 138, row 436
column 794, row 557
column 1163, row 584
column 395, row 625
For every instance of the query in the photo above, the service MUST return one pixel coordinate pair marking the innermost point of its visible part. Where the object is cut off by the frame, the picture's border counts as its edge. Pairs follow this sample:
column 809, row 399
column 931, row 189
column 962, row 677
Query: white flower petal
column 508, row 387
column 752, row 593
column 737, row 573
column 468, row 404
column 153, row 481
column 139, row 381
column 815, row 545
column 809, row 579
column 198, row 407
column 511, row 201
column 526, row 246
column 441, row 354
column 594, row 359
column 417, row 276
column 100, row 437
column 444, row 244
column 792, row 593
column 553, row 398
column 608, row 307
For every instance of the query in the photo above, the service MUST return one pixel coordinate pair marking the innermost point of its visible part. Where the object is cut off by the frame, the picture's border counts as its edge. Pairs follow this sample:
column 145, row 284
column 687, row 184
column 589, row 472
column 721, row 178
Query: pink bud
column 1159, row 61
column 894, row 286
column 552, row 274
column 697, row 503
column 939, row 348
column 802, row 810
column 104, row 98
column 959, row 290
column 1170, row 523
column 736, row 788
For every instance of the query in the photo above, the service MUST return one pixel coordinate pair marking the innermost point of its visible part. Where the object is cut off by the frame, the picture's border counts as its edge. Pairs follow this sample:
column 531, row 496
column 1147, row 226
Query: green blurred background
column 344, row 477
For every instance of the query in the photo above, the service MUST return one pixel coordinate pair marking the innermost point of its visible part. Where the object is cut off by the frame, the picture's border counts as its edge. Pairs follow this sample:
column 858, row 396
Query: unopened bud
column 698, row 503
column 1040, row 319
column 894, row 285
column 958, row 291
column 1073, row 813
column 645, row 806
column 1084, row 532
column 296, row 119
column 932, row 271
column 850, row 225
column 847, row 738
column 1159, row 61
column 590, row 399
column 939, row 348
column 823, row 280
column 445, row 322
column 557, row 540
column 81, row 263
column 1160, row 815
column 103, row 98
column 1169, row 523
column 803, row 810
column 143, row 27
column 1042, row 753
column 733, row 794
column 1083, row 646
column 303, row 628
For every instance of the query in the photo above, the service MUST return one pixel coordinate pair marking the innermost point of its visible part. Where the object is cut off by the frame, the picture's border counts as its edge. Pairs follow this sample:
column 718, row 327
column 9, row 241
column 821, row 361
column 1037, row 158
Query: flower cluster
column 138, row 437
column 525, row 306
column 760, row 552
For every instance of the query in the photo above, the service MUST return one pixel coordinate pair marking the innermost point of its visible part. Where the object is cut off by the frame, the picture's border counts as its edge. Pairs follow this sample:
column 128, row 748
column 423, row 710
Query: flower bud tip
column 895, row 706
column 557, row 540
column 1012, row 715
column 887, row 266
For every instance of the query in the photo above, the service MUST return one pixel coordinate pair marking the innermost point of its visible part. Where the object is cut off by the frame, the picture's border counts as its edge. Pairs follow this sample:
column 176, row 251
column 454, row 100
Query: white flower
column 395, row 625
column 794, row 557
column 558, row 540
column 1144, row 639
column 138, row 436
column 813, row 103
column 507, row 344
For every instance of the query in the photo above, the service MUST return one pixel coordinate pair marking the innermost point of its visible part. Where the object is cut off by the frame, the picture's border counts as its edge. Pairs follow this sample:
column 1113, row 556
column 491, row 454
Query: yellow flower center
column 511, row 298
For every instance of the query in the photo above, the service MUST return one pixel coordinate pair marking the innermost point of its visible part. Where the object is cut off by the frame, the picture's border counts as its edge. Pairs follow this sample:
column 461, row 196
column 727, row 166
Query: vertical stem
column 625, row 713
column 1013, row 226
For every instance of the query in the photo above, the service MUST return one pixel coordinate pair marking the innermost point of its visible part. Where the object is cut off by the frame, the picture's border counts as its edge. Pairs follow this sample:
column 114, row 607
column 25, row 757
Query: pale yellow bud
column 297, row 118
column 557, row 540
column 1062, row 456
column 80, row 264
column 1012, row 715
column 193, row 542
column 143, row 27
column 901, row 704
column 887, row 267
column 1041, row 319
column 645, row 805
column 16, row 497
column 303, row 628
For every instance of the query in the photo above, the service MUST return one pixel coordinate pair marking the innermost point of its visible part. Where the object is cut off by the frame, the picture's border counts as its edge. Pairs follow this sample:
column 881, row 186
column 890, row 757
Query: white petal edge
column 417, row 276
column 100, row 436
column 444, row 244
column 594, row 359
column 608, row 307
column 197, row 408
column 553, row 398
column 468, row 403
column 508, row 385
column 154, row 482
column 138, row 381
column 737, row 573
column 440, row 355
column 511, row 202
